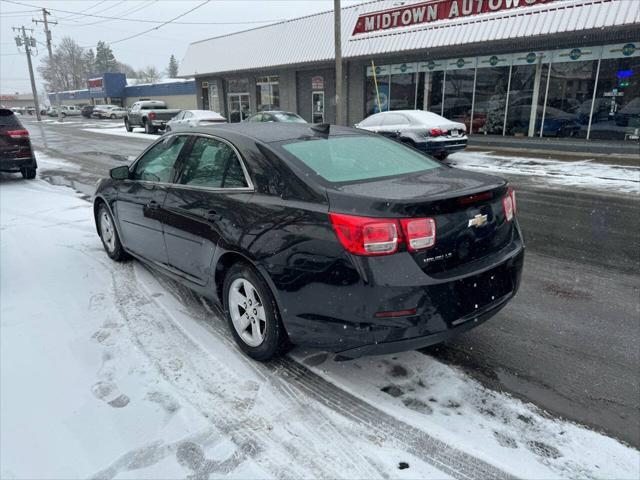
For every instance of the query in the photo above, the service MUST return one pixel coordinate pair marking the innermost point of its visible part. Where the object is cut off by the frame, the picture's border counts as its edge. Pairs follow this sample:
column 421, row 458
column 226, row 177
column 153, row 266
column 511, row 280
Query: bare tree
column 149, row 74
column 69, row 67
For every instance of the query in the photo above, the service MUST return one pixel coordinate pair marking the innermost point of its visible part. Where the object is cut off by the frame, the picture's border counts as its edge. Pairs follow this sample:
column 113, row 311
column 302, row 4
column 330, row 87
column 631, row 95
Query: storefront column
column 544, row 107
column 506, row 105
column 593, row 99
column 534, row 99
column 473, row 99
column 444, row 87
column 427, row 81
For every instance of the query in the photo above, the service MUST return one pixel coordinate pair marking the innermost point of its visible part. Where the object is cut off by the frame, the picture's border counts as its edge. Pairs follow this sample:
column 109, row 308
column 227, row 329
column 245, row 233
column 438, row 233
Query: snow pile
column 120, row 131
column 584, row 173
column 109, row 370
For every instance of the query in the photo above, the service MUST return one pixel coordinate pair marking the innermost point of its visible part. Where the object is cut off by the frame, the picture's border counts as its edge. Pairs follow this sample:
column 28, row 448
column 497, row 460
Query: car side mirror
column 119, row 173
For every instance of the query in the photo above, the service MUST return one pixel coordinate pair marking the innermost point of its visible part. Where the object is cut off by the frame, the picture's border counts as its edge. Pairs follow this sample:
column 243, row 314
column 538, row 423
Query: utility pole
column 28, row 43
column 47, row 32
column 338, row 46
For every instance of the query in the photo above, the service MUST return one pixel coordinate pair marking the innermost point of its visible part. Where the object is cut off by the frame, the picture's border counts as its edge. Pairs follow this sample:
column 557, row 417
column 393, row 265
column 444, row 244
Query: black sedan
column 16, row 153
column 321, row 236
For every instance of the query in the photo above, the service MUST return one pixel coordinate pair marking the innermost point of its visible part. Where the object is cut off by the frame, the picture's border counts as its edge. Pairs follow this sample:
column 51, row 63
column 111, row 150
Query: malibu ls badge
column 477, row 221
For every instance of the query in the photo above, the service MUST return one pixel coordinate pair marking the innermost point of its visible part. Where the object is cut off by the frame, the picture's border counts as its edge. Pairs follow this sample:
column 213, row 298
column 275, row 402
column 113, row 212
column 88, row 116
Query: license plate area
column 477, row 292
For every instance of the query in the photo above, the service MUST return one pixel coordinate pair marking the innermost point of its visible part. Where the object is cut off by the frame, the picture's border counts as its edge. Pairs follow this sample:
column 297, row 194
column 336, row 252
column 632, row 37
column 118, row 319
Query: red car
column 16, row 153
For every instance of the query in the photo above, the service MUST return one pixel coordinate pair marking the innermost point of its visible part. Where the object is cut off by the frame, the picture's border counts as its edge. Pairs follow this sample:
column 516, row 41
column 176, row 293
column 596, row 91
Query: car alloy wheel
column 247, row 312
column 107, row 231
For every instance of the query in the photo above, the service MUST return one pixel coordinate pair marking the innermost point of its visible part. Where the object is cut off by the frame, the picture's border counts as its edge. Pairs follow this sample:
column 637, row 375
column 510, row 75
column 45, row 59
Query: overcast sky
column 154, row 48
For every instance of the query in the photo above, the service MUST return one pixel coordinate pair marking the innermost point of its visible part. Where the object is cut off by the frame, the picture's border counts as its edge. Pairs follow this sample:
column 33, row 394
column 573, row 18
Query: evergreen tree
column 105, row 60
column 172, row 69
column 90, row 60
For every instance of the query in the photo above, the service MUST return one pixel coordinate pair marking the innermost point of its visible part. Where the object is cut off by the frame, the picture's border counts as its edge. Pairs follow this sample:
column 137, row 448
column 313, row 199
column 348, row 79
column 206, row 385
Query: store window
column 616, row 110
column 214, row 101
column 238, row 99
column 433, row 88
column 568, row 100
column 267, row 93
column 520, row 99
column 490, row 100
column 458, row 95
column 403, row 92
column 381, row 95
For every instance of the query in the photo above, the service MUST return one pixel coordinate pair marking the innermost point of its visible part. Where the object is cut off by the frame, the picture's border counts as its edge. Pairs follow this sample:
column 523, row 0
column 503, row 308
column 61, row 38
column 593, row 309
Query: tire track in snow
column 217, row 394
column 301, row 383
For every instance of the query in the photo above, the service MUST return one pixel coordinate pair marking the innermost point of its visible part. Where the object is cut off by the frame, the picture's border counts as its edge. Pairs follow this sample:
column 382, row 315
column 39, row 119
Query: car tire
column 149, row 128
column 109, row 235
column 127, row 127
column 167, row 129
column 442, row 156
column 112, row 117
column 64, row 115
column 28, row 173
column 264, row 336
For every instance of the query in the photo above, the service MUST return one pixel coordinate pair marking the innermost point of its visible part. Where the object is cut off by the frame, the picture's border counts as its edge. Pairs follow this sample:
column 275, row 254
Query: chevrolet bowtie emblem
column 477, row 221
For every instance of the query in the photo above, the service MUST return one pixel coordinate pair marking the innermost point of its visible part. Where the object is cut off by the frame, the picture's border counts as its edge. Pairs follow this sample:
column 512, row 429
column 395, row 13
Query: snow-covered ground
column 111, row 371
column 120, row 131
column 584, row 173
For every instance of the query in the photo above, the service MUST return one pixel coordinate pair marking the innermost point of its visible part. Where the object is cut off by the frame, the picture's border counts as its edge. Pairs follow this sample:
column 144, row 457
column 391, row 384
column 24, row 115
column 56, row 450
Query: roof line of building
column 282, row 22
column 480, row 18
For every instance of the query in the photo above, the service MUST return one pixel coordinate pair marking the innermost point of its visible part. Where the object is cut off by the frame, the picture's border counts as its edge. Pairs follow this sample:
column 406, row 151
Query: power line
column 142, row 20
column 161, row 25
column 126, row 12
column 86, row 9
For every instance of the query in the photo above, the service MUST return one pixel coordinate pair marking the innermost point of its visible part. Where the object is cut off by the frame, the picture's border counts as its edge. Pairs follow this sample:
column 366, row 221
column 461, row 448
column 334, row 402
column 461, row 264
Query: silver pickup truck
column 153, row 115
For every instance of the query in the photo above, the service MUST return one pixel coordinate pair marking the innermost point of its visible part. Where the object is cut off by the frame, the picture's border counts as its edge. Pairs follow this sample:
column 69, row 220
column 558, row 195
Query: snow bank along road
column 111, row 371
column 568, row 342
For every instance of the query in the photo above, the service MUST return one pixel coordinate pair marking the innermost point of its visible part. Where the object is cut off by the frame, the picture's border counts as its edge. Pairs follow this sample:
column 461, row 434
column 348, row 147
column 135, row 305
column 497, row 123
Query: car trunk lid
column 467, row 208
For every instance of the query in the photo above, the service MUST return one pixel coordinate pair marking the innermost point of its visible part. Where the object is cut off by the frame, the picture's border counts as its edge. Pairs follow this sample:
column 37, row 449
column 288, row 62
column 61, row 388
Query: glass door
column 317, row 107
column 239, row 107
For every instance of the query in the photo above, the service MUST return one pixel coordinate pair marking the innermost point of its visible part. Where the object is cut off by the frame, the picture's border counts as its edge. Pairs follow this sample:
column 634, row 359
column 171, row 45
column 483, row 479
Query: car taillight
column 419, row 232
column 152, row 115
column 17, row 134
column 364, row 235
column 435, row 132
column 381, row 236
column 509, row 204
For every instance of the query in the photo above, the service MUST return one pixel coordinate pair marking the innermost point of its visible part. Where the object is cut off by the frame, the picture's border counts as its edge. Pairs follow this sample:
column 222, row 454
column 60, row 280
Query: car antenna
column 322, row 128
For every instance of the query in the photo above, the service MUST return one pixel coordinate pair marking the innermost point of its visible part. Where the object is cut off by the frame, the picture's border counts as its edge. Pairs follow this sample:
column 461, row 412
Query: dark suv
column 16, row 154
column 87, row 111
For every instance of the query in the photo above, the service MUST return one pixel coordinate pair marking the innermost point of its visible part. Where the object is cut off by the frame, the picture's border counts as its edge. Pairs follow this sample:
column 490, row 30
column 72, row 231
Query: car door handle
column 213, row 216
column 153, row 205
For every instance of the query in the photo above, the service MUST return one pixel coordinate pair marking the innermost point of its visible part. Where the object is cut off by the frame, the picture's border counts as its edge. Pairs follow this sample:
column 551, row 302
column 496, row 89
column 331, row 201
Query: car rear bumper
column 15, row 164
column 438, row 147
column 340, row 316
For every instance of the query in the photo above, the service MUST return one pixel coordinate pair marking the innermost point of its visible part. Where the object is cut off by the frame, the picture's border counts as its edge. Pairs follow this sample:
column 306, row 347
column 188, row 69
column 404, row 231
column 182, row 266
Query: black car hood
column 398, row 195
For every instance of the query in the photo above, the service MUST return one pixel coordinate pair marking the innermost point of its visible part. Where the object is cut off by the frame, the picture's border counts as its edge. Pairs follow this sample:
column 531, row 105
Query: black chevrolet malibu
column 326, row 237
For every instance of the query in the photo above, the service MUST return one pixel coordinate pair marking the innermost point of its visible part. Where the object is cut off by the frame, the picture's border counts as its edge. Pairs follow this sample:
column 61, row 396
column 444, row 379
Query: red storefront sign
column 95, row 85
column 433, row 10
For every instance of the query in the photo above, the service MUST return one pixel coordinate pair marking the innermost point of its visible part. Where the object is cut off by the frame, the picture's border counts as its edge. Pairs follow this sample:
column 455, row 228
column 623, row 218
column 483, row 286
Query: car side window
column 179, row 116
column 373, row 121
column 188, row 115
column 256, row 118
column 212, row 164
column 395, row 119
column 157, row 164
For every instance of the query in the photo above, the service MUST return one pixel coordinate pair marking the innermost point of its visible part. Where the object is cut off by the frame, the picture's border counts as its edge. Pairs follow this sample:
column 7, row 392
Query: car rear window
column 354, row 158
column 9, row 119
column 289, row 117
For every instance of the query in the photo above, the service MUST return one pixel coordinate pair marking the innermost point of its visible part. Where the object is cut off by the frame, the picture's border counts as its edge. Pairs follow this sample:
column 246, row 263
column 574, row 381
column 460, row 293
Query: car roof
column 270, row 132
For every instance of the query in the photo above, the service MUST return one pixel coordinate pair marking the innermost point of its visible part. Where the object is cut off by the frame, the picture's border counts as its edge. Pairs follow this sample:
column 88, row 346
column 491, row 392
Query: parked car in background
column 152, row 115
column 16, row 153
column 87, row 111
column 194, row 118
column 425, row 131
column 322, row 236
column 70, row 110
column 98, row 110
column 52, row 111
column 276, row 116
column 115, row 112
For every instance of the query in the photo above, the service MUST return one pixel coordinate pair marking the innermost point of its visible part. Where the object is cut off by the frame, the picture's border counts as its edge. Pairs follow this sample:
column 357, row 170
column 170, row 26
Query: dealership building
column 536, row 68
column 116, row 89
